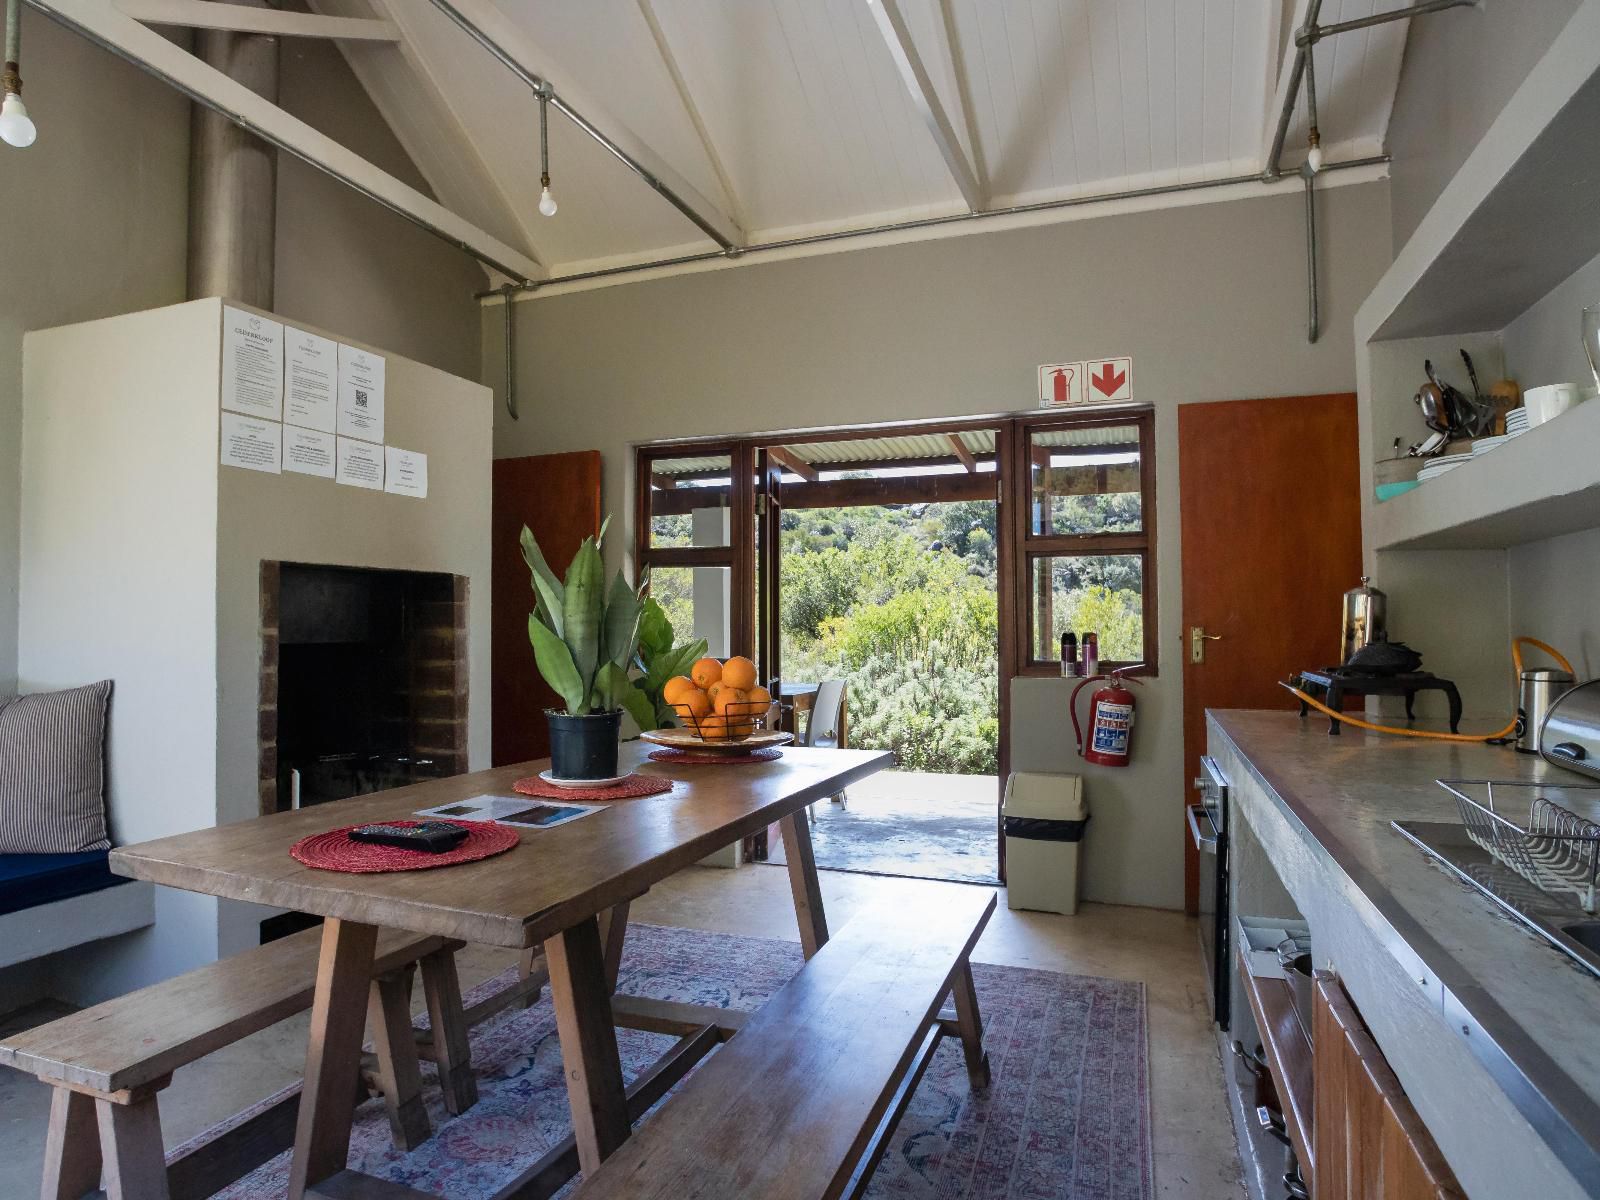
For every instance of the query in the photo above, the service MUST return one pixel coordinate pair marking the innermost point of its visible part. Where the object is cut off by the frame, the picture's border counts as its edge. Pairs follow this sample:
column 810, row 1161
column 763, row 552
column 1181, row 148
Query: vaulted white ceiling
column 791, row 116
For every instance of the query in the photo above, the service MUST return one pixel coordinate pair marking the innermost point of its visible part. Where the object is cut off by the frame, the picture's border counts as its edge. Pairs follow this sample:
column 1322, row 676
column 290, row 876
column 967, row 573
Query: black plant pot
column 584, row 747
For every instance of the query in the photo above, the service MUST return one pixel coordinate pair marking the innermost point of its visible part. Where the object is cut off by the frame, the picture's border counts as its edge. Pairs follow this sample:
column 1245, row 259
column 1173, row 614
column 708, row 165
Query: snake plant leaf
column 583, row 610
column 556, row 665
column 599, row 538
column 547, row 588
column 631, row 699
column 620, row 634
column 655, row 630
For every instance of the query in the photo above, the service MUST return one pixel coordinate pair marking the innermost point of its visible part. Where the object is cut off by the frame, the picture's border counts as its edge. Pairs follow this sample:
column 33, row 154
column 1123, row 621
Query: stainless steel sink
column 1563, row 924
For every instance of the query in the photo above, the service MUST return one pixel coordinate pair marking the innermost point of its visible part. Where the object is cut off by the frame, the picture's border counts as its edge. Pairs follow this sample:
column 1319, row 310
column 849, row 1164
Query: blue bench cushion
column 27, row 880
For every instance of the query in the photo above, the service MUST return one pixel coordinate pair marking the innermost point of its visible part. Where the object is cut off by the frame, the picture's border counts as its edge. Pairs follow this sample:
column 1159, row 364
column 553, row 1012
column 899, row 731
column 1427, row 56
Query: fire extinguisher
column 1110, row 738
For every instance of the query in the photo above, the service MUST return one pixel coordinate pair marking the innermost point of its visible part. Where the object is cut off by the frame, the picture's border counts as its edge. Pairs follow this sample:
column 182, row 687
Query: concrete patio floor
column 911, row 823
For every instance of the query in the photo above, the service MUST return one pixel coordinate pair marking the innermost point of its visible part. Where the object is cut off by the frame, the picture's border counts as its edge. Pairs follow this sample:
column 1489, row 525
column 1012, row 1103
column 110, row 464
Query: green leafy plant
column 584, row 634
column 659, row 660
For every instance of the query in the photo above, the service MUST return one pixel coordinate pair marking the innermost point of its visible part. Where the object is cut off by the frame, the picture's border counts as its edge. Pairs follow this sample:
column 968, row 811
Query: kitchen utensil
column 1553, row 847
column 1294, row 957
column 1570, row 734
column 1540, row 688
column 1591, row 339
column 1363, row 619
column 1503, row 397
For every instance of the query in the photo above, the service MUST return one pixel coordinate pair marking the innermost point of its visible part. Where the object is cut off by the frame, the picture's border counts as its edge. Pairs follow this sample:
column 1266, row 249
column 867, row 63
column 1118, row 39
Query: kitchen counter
column 1494, row 1033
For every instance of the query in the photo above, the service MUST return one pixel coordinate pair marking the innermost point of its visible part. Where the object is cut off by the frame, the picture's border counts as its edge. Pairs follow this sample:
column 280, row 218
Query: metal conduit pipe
column 1311, row 33
column 1313, row 318
column 542, row 87
column 920, row 223
column 511, row 352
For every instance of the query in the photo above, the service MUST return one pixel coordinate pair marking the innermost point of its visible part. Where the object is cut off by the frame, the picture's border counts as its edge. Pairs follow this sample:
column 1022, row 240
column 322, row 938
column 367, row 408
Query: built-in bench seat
column 27, row 880
column 52, row 902
column 803, row 1101
column 108, row 1063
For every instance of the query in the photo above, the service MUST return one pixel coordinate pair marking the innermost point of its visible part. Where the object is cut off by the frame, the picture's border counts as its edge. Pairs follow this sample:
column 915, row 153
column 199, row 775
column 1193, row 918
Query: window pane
column 689, row 500
column 1101, row 594
column 697, row 601
column 1086, row 480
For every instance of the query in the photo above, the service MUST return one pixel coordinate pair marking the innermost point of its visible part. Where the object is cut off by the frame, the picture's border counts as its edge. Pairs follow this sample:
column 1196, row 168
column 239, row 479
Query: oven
column 1208, row 828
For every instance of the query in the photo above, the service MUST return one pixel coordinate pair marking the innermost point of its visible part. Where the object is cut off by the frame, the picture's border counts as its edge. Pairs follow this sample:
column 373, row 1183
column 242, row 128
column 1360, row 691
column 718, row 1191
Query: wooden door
column 1270, row 496
column 769, row 538
column 558, row 497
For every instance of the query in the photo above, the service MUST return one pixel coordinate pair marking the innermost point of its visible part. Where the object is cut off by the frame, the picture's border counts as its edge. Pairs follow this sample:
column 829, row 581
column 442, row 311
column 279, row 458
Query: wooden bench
column 803, row 1101
column 108, row 1063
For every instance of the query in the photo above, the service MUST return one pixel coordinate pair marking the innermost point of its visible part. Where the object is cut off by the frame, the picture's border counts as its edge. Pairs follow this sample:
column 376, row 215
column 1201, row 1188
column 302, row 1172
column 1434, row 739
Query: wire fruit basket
column 1555, row 849
column 739, row 721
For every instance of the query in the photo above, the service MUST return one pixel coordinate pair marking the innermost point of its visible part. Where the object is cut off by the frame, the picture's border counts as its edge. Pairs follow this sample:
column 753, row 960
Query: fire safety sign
column 1097, row 381
column 1061, row 385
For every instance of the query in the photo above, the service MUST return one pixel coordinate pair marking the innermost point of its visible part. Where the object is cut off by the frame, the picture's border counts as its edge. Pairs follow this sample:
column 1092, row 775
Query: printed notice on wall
column 311, row 369
column 252, row 364
column 308, row 451
column 405, row 472
column 250, row 443
column 360, row 394
column 360, row 464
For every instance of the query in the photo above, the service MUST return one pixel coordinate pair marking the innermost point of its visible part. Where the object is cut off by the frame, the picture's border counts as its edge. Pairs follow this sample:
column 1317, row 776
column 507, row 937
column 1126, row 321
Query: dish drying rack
column 1554, row 848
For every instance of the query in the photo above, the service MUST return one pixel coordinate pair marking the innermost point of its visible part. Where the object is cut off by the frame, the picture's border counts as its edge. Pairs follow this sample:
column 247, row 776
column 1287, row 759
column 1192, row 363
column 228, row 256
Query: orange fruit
column 711, row 727
column 739, row 672
column 759, row 695
column 729, row 701
column 706, row 672
column 674, row 689
column 691, row 704
column 714, row 689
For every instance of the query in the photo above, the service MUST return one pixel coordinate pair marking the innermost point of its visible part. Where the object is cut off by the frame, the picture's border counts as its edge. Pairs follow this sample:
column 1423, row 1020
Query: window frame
column 1032, row 546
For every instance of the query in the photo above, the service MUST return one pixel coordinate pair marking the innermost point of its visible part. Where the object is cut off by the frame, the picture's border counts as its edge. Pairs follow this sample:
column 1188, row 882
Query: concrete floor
column 1193, row 1139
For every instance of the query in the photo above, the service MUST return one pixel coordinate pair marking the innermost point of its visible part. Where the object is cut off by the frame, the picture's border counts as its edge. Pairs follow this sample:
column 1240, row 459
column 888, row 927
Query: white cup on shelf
column 1550, row 401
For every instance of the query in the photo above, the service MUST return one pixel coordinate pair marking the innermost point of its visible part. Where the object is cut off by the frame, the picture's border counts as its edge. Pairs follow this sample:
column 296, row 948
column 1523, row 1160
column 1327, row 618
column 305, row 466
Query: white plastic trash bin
column 1044, row 819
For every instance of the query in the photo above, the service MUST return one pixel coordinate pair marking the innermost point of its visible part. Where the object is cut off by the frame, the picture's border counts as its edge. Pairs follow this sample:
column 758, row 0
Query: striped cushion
column 52, row 772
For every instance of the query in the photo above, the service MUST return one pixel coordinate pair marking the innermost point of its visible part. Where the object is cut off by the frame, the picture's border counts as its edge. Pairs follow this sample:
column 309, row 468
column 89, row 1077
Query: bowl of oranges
column 720, row 705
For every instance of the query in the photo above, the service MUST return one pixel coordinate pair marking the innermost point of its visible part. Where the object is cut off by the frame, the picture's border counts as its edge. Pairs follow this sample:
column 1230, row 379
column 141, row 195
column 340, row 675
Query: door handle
column 1198, row 638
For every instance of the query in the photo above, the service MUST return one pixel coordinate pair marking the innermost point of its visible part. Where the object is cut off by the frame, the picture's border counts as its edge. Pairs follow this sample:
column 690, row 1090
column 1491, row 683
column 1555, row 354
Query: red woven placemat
column 759, row 755
column 631, row 787
column 334, row 851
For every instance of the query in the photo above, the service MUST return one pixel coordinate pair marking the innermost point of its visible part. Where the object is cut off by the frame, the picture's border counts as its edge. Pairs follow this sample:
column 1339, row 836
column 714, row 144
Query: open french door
column 769, row 549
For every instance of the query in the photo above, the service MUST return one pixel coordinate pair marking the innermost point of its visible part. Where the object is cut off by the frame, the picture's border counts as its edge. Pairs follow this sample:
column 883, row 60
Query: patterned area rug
column 1067, row 1115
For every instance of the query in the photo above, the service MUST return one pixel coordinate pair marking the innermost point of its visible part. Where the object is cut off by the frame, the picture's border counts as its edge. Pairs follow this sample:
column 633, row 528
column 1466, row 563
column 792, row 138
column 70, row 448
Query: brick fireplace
column 363, row 682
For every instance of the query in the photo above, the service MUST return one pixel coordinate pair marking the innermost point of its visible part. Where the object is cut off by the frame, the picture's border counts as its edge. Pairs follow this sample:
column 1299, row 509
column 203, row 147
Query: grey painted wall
column 94, row 223
column 1209, row 300
column 1544, row 345
column 1461, row 66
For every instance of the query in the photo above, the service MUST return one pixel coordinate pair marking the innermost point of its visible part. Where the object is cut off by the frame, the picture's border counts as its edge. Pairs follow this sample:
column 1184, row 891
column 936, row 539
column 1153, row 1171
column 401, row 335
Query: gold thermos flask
column 1365, row 610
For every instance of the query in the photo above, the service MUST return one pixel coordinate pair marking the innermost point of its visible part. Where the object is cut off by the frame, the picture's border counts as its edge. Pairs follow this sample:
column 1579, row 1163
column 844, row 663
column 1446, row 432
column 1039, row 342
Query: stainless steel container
column 1364, row 621
column 1570, row 736
column 1541, row 687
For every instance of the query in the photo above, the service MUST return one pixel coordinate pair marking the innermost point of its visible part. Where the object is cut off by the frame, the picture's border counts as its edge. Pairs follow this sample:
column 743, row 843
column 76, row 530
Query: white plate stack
column 1485, row 444
column 1445, row 462
column 1517, row 422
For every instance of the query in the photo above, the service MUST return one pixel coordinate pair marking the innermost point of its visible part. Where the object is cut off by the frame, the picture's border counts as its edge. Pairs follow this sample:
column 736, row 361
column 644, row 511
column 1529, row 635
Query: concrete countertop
column 1530, row 1014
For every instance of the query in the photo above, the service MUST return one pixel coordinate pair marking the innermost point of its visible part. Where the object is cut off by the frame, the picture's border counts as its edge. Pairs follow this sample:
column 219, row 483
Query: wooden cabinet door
column 1370, row 1143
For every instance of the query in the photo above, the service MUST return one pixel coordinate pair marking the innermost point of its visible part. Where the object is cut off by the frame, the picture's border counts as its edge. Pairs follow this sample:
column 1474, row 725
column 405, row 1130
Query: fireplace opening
column 363, row 681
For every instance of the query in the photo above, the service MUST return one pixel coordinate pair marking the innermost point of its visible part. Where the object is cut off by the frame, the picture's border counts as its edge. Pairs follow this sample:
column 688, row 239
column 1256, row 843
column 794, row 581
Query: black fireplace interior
column 352, row 644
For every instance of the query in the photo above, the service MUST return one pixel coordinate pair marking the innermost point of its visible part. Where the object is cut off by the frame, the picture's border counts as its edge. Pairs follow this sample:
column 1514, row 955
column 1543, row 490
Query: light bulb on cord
column 1314, row 155
column 547, row 202
column 16, row 127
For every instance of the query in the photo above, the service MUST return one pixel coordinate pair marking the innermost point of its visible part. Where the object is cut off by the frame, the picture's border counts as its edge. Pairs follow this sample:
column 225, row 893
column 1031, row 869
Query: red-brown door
column 558, row 497
column 1270, row 494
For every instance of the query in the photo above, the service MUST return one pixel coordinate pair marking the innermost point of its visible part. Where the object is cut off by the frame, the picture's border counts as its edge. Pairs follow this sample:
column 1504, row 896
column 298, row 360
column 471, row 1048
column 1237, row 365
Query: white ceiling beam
column 240, row 18
column 418, row 106
column 511, row 43
column 669, row 60
column 896, row 33
column 121, row 35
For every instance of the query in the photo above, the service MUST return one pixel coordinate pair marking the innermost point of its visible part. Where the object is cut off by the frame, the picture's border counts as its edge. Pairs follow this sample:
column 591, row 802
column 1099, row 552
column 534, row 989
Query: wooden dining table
column 550, row 890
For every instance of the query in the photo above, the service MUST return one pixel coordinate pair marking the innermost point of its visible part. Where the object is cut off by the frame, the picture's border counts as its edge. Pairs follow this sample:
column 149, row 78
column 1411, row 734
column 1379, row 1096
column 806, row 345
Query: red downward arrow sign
column 1108, row 381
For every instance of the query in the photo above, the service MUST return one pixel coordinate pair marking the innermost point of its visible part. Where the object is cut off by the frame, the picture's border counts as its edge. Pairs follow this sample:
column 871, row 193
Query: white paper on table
column 252, row 364
column 311, row 385
column 359, row 464
column 360, row 394
column 308, row 451
column 405, row 472
column 250, row 443
column 525, row 812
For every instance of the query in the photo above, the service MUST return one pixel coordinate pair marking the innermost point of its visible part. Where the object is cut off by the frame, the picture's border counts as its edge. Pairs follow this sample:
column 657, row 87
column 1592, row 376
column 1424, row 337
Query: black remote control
column 431, row 837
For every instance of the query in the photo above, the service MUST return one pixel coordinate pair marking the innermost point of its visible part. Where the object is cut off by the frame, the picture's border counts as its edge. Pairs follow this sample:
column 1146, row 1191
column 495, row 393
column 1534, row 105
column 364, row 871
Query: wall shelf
column 1540, row 485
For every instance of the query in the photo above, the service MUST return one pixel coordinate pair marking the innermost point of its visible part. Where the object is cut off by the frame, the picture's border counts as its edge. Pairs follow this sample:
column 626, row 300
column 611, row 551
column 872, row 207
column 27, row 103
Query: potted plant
column 659, row 660
column 585, row 636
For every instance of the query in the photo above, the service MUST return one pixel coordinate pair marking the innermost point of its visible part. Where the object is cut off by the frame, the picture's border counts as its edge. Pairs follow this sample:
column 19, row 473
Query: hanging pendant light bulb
column 16, row 127
column 1314, row 155
column 547, row 202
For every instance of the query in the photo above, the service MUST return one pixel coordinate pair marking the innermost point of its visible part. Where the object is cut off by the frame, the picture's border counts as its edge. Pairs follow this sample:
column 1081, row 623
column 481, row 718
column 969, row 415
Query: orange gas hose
column 1516, row 659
